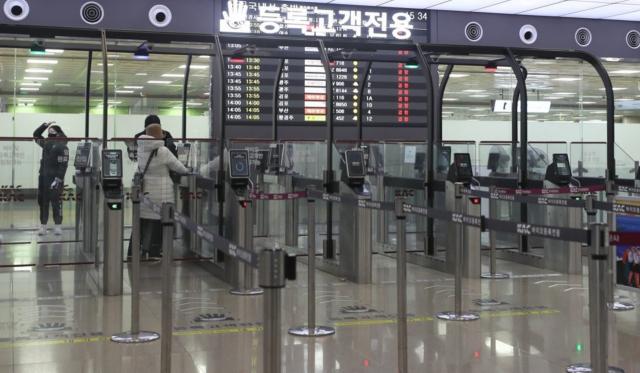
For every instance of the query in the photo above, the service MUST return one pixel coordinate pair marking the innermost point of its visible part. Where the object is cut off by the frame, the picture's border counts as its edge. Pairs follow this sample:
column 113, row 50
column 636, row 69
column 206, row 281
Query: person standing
column 53, row 168
column 155, row 162
column 166, row 137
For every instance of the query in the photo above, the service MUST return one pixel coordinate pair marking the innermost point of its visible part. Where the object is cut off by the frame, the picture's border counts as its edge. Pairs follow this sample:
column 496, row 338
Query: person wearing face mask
column 53, row 167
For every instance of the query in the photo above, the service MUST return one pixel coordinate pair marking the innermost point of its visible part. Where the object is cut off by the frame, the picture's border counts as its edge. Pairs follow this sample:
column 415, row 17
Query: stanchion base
column 318, row 331
column 452, row 316
column 620, row 306
column 246, row 292
column 494, row 276
column 141, row 337
column 581, row 368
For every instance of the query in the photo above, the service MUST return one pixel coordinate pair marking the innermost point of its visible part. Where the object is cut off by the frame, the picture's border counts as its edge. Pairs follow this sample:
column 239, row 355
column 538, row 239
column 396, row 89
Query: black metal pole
column 185, row 91
column 514, row 129
column 105, row 91
column 429, row 177
column 443, row 87
column 328, row 177
column 87, row 95
column 274, row 101
column 222, row 118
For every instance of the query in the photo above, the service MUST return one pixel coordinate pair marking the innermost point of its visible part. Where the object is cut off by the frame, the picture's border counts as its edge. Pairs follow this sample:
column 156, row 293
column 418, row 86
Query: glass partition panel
column 588, row 159
column 495, row 158
column 626, row 165
column 405, row 159
column 444, row 151
column 540, row 155
column 305, row 158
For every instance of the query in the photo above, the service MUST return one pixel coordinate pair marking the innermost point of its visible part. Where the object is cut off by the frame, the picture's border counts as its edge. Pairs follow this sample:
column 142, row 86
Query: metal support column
column 493, row 214
column 272, row 280
column 167, row 286
column 401, row 281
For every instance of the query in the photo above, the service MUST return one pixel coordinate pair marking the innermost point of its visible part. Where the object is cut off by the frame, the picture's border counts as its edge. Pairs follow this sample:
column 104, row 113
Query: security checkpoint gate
column 113, row 221
column 459, row 176
column 355, row 257
column 238, row 227
column 86, row 181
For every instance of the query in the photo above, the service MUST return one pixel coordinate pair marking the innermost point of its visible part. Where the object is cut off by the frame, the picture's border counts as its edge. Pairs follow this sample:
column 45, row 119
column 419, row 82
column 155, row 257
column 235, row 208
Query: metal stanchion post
column 458, row 315
column 167, row 285
column 598, row 315
column 311, row 330
column 401, row 260
column 610, row 283
column 135, row 335
column 272, row 279
column 493, row 214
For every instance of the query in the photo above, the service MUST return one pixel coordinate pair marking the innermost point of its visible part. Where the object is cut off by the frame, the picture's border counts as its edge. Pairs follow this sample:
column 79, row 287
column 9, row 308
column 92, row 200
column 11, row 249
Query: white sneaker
column 58, row 230
column 42, row 231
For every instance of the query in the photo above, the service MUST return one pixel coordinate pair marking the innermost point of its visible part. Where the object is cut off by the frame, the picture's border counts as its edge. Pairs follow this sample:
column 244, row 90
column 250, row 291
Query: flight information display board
column 378, row 93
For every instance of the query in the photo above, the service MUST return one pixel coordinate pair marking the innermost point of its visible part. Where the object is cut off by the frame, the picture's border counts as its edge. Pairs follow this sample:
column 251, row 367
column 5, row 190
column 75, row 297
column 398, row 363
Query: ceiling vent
column 92, row 13
column 528, row 34
column 16, row 10
column 633, row 39
column 473, row 31
column 160, row 16
column 583, row 37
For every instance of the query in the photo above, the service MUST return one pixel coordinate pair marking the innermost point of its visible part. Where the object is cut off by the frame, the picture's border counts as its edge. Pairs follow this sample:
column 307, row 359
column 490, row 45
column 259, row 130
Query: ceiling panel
column 518, row 6
column 635, row 16
column 606, row 11
column 563, row 8
column 465, row 5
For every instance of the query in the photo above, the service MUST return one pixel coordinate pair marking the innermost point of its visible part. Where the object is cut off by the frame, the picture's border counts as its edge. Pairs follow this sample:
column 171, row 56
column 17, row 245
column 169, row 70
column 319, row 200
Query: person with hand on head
column 154, row 163
column 53, row 168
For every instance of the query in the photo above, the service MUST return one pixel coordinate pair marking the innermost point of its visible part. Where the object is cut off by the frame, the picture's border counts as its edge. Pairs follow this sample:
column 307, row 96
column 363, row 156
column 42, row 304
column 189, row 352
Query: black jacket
column 55, row 154
column 168, row 143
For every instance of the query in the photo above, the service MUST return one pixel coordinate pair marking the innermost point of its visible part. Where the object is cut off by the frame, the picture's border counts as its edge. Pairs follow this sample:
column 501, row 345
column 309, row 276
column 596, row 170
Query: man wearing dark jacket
column 53, row 168
column 168, row 139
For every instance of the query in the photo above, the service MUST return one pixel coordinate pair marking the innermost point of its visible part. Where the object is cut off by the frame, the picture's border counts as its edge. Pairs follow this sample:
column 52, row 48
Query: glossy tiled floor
column 56, row 320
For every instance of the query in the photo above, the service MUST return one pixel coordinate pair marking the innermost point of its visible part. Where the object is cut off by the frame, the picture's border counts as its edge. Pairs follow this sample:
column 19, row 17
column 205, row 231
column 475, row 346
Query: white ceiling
column 621, row 10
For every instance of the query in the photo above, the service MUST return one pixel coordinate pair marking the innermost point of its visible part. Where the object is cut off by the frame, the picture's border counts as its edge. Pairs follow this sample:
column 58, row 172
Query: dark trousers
column 46, row 197
column 150, row 237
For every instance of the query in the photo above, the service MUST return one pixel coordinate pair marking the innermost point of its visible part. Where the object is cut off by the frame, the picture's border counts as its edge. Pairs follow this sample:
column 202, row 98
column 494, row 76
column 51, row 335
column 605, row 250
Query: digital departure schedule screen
column 375, row 93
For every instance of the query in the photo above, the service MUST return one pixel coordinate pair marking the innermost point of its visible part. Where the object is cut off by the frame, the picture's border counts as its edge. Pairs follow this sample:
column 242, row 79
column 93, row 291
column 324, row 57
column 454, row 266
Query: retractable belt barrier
column 278, row 196
column 219, row 242
column 522, row 198
column 624, row 238
column 626, row 189
column 566, row 190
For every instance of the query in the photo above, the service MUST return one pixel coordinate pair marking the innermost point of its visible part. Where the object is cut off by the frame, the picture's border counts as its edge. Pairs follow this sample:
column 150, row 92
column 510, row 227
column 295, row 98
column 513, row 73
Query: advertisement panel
column 628, row 257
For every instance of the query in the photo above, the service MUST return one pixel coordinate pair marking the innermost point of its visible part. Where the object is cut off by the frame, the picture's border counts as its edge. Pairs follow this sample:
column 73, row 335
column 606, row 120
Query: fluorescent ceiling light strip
column 566, row 79
column 159, row 82
column 43, row 71
column 29, row 89
column 195, row 67
column 141, row 74
column 173, row 75
column 31, row 84
column 34, row 78
column 124, row 91
column 46, row 62
column 133, row 87
column 54, row 50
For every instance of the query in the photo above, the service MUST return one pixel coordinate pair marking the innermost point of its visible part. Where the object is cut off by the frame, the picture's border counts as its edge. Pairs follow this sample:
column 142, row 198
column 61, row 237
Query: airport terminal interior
column 334, row 186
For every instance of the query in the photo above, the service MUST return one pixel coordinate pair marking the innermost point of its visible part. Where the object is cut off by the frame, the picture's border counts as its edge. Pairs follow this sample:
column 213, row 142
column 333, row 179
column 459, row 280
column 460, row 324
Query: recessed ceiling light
column 478, row 109
column 554, row 98
column 598, row 112
column 46, row 62
column 159, row 82
column 624, row 99
column 587, row 102
column 458, row 75
column 447, row 112
column 615, row 89
column 207, row 57
column 618, row 116
column 29, row 89
column 474, row 90
column 31, row 84
column 173, row 75
column 625, row 72
column 124, row 91
column 101, row 64
column 34, row 78
column 26, row 100
column 566, row 79
column 449, row 99
column 611, row 59
column 133, row 87
column 564, row 93
column 195, row 67
column 54, row 50
column 63, row 84
column 177, row 107
column 97, row 72
column 43, row 71
column 479, row 116
column 114, row 102
column 478, row 95
column 195, row 103
column 141, row 74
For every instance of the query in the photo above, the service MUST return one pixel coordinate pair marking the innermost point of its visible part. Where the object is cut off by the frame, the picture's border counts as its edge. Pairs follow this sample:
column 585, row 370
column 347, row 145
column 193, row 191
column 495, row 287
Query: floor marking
column 219, row 331
column 375, row 322
column 53, row 342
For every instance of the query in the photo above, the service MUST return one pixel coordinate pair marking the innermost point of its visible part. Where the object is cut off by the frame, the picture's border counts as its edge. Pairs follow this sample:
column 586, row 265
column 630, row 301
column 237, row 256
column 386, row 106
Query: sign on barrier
column 566, row 190
column 278, row 196
column 624, row 238
column 626, row 189
column 517, row 198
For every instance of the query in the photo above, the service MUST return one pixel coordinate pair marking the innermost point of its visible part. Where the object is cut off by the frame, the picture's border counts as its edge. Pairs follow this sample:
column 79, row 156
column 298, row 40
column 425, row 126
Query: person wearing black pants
column 53, row 168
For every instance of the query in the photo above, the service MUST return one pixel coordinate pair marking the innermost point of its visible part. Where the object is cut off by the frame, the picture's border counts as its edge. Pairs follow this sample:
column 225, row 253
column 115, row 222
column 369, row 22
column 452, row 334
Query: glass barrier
column 588, row 159
column 495, row 159
column 41, row 218
column 443, row 154
column 626, row 165
column 405, row 159
column 539, row 156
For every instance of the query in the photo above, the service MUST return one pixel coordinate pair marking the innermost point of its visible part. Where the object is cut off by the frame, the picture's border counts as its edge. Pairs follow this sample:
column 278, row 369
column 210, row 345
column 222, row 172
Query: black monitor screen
column 421, row 158
column 562, row 164
column 275, row 155
column 444, row 158
column 355, row 163
column 463, row 164
column 83, row 154
column 239, row 164
column 112, row 164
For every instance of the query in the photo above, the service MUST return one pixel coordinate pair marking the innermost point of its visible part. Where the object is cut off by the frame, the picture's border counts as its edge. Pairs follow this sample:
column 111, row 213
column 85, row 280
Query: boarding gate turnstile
column 562, row 256
column 354, row 261
column 459, row 176
column 86, row 181
column 238, row 224
column 112, row 251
